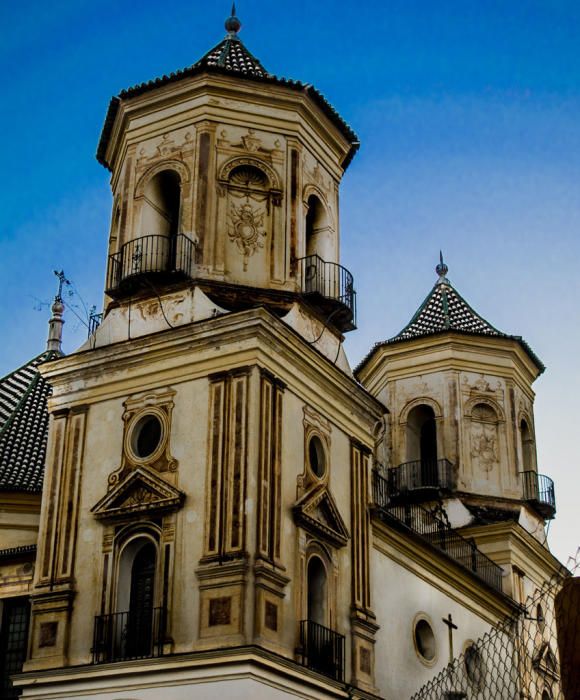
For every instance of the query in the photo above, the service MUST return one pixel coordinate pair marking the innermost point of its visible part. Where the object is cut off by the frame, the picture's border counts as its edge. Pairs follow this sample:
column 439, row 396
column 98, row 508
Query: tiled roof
column 229, row 57
column 232, row 55
column 24, row 426
column 443, row 311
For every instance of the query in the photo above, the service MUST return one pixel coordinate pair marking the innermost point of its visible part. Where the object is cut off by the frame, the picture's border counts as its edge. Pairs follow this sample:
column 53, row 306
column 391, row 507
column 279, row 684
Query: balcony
column 329, row 288
column 419, row 479
column 434, row 529
column 322, row 649
column 147, row 260
column 129, row 635
column 538, row 491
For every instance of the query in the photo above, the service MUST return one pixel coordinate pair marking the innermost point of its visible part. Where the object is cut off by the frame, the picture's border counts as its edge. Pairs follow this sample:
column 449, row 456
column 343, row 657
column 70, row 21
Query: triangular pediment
column 545, row 660
column 318, row 513
column 142, row 491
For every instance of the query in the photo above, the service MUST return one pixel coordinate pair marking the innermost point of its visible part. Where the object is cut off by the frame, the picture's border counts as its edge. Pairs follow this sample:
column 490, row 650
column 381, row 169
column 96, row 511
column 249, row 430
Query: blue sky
column 468, row 113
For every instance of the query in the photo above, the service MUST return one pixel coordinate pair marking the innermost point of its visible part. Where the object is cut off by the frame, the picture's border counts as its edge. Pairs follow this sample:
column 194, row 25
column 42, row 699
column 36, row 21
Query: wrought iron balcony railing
column 436, row 530
column 421, row 475
column 157, row 255
column 322, row 649
column 129, row 635
column 538, row 490
column 331, row 287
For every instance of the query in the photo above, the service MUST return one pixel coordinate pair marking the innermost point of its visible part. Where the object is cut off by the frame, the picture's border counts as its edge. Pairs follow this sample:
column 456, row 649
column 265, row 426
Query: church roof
column 229, row 57
column 445, row 310
column 24, row 426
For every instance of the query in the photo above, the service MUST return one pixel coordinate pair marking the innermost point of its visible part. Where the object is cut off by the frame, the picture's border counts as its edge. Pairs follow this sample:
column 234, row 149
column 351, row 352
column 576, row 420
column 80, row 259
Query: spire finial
column 233, row 24
column 442, row 270
column 55, row 324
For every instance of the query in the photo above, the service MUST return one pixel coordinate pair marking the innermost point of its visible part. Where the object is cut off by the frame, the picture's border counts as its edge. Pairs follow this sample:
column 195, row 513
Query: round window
column 425, row 640
column 474, row 665
column 146, row 436
column 317, row 456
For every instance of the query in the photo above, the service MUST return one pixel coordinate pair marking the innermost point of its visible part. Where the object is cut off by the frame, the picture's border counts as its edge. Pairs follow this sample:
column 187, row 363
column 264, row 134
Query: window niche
column 249, row 192
column 146, row 435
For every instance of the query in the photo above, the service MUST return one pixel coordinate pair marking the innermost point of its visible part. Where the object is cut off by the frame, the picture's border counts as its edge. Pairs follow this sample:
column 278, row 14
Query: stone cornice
column 252, row 337
column 246, row 662
column 512, row 539
column 503, row 357
column 194, row 99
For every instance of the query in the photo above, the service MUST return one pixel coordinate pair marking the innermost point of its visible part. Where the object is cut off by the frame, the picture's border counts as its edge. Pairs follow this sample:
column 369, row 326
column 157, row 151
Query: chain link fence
column 519, row 659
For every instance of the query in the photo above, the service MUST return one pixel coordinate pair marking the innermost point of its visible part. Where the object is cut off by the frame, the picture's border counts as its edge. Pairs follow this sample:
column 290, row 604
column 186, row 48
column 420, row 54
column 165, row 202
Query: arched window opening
column 527, row 446
column 136, row 599
column 318, row 234
column 422, row 445
column 162, row 197
column 317, row 591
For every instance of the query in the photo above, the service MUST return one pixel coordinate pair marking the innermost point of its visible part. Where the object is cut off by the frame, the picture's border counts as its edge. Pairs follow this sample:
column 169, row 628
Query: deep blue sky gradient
column 468, row 113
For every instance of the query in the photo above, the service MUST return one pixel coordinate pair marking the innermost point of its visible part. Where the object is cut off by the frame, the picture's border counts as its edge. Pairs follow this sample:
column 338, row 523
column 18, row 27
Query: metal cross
column 452, row 626
column 61, row 281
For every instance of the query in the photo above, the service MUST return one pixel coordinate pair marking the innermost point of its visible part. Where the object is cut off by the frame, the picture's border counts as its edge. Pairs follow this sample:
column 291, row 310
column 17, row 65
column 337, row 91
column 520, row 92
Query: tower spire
column 233, row 24
column 442, row 270
column 55, row 324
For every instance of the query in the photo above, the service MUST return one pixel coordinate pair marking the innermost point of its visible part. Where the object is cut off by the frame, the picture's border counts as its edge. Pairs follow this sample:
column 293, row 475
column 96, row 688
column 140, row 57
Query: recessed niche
column 474, row 667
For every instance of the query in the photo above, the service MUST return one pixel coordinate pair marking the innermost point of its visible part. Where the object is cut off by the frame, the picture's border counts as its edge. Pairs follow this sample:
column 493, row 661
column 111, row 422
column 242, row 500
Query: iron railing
column 322, row 649
column 436, row 530
column 150, row 255
column 420, row 474
column 539, row 490
column 328, row 280
column 129, row 635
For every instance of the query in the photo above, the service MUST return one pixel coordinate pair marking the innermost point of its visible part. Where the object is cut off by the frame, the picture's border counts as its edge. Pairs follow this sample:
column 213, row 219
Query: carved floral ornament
column 484, row 436
column 246, row 229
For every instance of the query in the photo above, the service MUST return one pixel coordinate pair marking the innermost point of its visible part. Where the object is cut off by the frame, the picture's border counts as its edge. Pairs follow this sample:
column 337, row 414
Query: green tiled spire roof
column 443, row 311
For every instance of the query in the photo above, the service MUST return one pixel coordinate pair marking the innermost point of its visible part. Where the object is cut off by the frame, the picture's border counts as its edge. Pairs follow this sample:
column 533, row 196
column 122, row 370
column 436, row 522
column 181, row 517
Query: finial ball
column 233, row 24
column 441, row 268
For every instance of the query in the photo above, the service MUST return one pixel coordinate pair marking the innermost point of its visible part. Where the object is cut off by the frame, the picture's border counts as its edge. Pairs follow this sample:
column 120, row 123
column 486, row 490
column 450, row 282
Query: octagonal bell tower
column 225, row 185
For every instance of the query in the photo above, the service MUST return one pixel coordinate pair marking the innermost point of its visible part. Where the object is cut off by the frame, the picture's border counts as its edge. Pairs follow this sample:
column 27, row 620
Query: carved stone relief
column 484, row 438
column 247, row 229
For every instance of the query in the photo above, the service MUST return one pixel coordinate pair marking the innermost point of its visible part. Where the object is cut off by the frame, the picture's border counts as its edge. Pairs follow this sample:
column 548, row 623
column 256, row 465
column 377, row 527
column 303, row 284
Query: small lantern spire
column 233, row 24
column 54, row 342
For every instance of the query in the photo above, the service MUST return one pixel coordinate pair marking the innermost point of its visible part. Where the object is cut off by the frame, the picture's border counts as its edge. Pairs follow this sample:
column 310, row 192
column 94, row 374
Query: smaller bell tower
column 462, row 415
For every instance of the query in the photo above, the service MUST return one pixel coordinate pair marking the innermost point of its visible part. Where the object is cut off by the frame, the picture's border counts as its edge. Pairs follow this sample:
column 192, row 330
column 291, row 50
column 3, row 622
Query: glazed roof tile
column 229, row 57
column 24, row 426
column 445, row 310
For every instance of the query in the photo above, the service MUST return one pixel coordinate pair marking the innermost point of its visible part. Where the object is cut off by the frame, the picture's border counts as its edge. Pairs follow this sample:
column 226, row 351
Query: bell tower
column 461, row 426
column 207, row 477
column 225, row 180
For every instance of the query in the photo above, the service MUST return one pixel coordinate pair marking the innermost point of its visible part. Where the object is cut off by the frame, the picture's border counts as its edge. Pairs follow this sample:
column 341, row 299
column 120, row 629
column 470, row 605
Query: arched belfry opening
column 527, row 446
column 317, row 229
column 161, row 205
column 422, row 445
column 317, row 584
column 422, row 435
